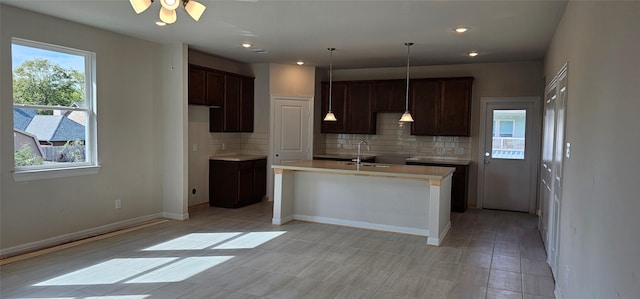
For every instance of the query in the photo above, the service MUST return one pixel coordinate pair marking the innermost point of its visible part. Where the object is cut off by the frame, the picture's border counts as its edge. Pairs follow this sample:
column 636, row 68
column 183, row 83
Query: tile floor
column 221, row 253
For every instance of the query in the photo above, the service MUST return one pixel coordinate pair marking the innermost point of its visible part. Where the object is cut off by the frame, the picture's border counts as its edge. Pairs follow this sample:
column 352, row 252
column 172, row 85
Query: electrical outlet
column 195, row 147
column 568, row 150
column 118, row 203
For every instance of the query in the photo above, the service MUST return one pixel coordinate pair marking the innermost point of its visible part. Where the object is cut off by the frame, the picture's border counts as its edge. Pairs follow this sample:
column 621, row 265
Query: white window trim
column 90, row 167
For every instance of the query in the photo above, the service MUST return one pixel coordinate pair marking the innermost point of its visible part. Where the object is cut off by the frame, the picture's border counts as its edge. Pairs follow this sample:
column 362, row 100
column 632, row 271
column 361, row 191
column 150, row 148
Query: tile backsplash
column 394, row 139
column 221, row 144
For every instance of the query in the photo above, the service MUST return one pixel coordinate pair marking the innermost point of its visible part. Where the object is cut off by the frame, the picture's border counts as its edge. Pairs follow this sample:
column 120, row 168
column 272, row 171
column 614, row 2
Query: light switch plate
column 568, row 150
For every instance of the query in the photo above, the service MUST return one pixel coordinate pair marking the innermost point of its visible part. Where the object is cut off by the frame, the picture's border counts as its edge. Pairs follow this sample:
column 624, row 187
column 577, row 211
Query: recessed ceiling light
column 462, row 29
column 246, row 45
column 161, row 23
column 299, row 62
column 473, row 53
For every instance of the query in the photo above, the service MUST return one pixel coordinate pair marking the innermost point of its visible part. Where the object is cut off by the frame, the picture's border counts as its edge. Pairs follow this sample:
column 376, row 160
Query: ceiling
column 365, row 33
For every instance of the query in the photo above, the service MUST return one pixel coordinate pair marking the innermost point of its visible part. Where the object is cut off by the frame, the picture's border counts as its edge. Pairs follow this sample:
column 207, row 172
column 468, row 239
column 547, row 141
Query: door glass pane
column 509, row 127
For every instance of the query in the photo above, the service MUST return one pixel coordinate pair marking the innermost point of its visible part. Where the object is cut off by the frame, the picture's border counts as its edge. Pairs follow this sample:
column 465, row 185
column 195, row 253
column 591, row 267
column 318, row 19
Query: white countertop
column 237, row 158
column 383, row 170
column 343, row 156
column 438, row 161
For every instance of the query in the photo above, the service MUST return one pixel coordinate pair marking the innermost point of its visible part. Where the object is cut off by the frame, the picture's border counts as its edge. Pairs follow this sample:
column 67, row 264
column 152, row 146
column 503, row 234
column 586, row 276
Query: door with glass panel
column 508, row 172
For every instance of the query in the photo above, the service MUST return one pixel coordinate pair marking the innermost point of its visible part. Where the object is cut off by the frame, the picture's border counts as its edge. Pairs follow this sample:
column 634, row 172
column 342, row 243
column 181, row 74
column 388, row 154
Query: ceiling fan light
column 168, row 16
column 194, row 9
column 406, row 117
column 140, row 5
column 330, row 117
column 170, row 4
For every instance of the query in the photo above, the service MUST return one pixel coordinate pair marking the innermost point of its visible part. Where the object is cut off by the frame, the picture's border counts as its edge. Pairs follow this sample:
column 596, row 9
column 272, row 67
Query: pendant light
column 330, row 116
column 406, row 116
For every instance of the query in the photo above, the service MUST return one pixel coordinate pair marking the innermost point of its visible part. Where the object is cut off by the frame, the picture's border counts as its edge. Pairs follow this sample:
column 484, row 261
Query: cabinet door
column 459, row 188
column 197, row 86
column 246, row 105
column 388, row 95
column 339, row 94
column 424, row 101
column 215, row 88
column 245, row 183
column 259, row 179
column 223, row 184
column 359, row 117
column 455, row 107
column 231, row 103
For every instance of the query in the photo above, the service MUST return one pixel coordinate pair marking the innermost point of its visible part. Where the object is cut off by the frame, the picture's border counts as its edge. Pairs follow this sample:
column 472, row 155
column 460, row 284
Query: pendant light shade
column 406, row 116
column 140, row 5
column 194, row 9
column 330, row 116
column 168, row 16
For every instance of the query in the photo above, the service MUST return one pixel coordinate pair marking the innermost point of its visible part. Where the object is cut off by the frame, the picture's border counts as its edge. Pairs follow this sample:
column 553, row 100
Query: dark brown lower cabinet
column 234, row 184
column 459, row 183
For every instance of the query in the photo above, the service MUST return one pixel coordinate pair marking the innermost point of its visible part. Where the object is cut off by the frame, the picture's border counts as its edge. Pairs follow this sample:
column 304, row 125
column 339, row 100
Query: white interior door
column 509, row 159
column 546, row 176
column 292, row 130
column 558, row 93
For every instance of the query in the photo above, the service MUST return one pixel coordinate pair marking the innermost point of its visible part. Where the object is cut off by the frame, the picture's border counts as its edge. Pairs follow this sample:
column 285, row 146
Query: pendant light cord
column 330, row 75
column 407, row 91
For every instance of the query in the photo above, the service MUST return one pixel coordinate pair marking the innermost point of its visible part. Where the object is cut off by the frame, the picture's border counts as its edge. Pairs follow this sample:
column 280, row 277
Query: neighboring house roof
column 22, row 118
column 55, row 128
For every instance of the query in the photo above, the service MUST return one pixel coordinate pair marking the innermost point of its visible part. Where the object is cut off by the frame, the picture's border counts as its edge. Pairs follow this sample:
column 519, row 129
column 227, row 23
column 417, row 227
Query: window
column 508, row 134
column 503, row 128
column 54, row 119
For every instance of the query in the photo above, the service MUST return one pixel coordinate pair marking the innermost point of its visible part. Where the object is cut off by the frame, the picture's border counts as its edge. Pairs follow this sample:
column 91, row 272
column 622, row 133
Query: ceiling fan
column 168, row 10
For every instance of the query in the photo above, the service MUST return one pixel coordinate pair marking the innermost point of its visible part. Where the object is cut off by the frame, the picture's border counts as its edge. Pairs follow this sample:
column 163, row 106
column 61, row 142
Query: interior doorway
column 292, row 129
column 509, row 142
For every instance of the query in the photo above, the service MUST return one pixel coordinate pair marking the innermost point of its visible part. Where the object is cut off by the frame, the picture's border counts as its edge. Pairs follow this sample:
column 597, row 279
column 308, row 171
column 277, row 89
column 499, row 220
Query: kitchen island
column 397, row 198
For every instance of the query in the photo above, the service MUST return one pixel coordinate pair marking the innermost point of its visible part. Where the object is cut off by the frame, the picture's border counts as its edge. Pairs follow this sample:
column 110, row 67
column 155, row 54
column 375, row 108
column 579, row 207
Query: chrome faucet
column 357, row 159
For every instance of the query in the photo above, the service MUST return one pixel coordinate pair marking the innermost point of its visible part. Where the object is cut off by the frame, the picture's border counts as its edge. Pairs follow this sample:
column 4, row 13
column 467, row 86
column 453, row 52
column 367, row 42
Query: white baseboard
column 175, row 216
column 557, row 292
column 437, row 241
column 361, row 224
column 280, row 221
column 37, row 245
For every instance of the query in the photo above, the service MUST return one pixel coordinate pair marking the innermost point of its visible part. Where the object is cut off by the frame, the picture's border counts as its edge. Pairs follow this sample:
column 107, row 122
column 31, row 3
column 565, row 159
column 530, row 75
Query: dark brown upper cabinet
column 388, row 95
column 425, row 97
column 215, row 88
column 246, row 104
column 197, row 86
column 441, row 107
column 351, row 104
column 338, row 106
column 359, row 118
column 455, row 110
column 206, row 87
column 230, row 97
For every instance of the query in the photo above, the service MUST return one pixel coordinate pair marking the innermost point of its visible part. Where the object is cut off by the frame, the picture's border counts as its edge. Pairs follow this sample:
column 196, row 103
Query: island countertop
column 369, row 169
column 237, row 158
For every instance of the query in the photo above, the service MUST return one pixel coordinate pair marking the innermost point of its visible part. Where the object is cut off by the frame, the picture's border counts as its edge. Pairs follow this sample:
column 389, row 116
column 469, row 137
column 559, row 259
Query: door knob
column 277, row 155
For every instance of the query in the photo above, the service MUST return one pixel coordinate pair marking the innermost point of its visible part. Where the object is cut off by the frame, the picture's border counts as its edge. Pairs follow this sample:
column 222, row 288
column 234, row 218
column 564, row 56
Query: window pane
column 509, row 134
column 51, row 110
column 49, row 137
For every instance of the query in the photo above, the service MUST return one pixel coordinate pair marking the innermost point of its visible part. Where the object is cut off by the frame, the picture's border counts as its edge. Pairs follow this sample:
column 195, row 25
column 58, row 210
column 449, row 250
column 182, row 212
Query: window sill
column 42, row 174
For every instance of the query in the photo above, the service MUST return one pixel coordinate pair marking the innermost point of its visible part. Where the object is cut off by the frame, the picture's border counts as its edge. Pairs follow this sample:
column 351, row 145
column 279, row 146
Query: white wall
column 174, row 128
column 129, row 96
column 518, row 79
column 599, row 239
